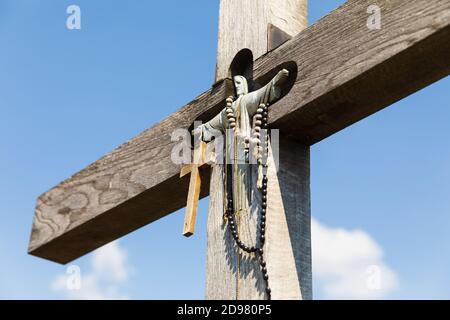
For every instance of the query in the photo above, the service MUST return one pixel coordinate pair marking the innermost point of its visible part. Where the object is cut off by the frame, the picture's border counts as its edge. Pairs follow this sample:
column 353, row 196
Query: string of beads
column 260, row 124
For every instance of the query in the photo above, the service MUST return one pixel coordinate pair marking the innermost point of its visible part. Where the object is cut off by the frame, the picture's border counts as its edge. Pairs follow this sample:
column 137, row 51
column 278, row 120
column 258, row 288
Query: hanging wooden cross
column 342, row 71
column 199, row 160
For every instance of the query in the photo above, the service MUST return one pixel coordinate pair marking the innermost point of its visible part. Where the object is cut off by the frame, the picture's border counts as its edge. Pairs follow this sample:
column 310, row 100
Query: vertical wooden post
column 246, row 25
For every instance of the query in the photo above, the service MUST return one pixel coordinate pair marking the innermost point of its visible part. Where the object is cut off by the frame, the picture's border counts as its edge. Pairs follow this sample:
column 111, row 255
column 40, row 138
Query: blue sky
column 380, row 187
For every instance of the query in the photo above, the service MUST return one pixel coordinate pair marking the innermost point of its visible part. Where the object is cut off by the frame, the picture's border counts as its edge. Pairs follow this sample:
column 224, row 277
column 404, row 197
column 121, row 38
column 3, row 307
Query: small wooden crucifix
column 194, row 189
column 199, row 160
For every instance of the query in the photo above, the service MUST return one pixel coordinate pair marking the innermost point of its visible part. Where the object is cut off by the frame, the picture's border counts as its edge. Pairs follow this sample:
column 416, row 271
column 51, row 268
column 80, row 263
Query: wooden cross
column 194, row 190
column 343, row 72
column 199, row 160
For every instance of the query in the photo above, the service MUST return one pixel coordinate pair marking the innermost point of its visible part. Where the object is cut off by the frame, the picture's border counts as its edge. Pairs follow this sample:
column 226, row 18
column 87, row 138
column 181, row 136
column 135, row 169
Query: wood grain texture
column 192, row 202
column 244, row 25
column 230, row 272
column 195, row 183
column 221, row 284
column 132, row 186
column 345, row 73
column 288, row 244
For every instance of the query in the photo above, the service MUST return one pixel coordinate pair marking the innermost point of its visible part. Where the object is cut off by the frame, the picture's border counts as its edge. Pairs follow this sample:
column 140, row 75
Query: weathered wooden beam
column 248, row 27
column 345, row 73
column 130, row 187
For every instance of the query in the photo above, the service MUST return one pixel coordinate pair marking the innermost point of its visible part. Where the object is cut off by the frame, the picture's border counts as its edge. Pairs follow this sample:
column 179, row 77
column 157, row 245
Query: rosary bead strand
column 260, row 123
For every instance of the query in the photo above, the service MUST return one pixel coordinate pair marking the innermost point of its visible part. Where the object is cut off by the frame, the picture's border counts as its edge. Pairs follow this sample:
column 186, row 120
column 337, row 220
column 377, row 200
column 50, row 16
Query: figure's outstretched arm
column 267, row 94
column 277, row 84
column 212, row 129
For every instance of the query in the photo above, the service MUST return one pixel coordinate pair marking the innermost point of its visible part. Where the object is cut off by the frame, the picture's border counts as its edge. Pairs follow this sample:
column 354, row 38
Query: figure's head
column 240, row 83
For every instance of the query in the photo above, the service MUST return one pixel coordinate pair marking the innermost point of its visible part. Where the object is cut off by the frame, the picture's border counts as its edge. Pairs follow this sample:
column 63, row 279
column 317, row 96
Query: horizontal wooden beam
column 347, row 72
column 130, row 187
column 344, row 72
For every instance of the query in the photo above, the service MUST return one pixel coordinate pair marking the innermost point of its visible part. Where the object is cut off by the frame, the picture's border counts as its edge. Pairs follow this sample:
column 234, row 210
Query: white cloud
column 109, row 272
column 348, row 264
column 110, row 262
